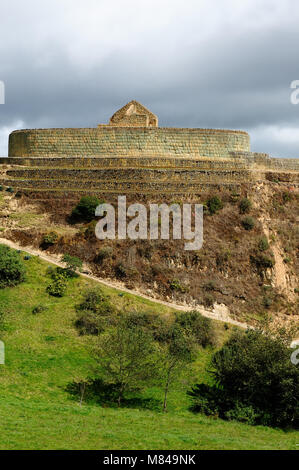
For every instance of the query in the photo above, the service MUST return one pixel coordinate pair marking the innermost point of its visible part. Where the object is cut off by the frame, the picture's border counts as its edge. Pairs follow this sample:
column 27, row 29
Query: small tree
column 254, row 380
column 12, row 270
column 126, row 357
column 175, row 354
column 72, row 263
column 85, row 209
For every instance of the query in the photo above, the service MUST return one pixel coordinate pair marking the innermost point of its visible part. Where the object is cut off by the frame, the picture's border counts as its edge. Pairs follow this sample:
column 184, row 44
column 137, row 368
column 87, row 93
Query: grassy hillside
column 44, row 353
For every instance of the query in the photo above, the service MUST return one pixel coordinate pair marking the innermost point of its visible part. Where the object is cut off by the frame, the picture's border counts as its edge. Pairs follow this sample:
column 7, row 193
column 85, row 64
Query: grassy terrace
column 44, row 353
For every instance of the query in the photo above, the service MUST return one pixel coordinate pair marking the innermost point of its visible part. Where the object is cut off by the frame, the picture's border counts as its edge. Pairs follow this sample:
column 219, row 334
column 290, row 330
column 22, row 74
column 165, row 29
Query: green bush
column 197, row 326
column 50, row 239
column 176, row 285
column 85, row 209
column 39, row 309
column 12, row 270
column 72, row 264
column 245, row 205
column 214, row 204
column 58, row 287
column 263, row 244
column 248, row 223
column 95, row 312
column 262, row 262
column 254, row 381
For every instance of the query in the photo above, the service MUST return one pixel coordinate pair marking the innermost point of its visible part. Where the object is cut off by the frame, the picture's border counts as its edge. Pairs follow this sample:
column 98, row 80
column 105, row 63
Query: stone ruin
column 132, row 154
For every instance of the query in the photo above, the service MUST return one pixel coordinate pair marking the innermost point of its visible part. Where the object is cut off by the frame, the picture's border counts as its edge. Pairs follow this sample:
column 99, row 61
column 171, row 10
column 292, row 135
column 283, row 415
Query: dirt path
column 218, row 313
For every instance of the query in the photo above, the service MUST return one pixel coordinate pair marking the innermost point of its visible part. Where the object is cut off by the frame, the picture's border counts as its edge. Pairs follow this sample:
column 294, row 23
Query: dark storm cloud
column 200, row 64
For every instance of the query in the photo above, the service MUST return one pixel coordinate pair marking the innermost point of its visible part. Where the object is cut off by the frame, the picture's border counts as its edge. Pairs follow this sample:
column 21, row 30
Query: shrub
column 223, row 257
column 262, row 261
column 245, row 205
column 197, row 326
column 286, row 197
column 95, row 312
column 254, row 381
column 214, row 204
column 50, row 239
column 175, row 285
column 57, row 288
column 12, row 270
column 267, row 301
column 105, row 252
column 39, row 309
column 85, row 209
column 248, row 223
column 208, row 300
column 263, row 244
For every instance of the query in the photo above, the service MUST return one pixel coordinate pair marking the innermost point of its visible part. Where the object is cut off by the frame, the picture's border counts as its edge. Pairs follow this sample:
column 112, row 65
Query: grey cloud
column 234, row 77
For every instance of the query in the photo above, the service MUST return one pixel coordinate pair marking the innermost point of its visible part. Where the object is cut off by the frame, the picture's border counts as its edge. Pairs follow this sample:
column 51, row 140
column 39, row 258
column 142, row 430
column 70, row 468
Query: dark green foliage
column 254, row 381
column 126, row 358
column 39, row 309
column 175, row 285
column 85, row 209
column 248, row 223
column 73, row 263
column 198, row 327
column 263, row 244
column 245, row 205
column 95, row 312
column 151, row 323
column 49, row 239
column 57, row 287
column 267, row 301
column 286, row 197
column 262, row 262
column 214, row 204
column 12, row 270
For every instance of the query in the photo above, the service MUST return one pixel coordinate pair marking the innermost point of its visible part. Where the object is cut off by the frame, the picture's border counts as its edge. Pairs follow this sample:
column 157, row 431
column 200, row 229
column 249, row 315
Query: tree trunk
column 166, row 392
column 82, row 389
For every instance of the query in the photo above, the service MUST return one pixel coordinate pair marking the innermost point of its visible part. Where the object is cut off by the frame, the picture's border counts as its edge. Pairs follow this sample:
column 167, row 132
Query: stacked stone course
column 120, row 158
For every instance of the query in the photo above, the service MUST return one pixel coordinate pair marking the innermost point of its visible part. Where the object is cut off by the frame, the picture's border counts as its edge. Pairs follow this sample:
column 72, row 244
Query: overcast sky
column 217, row 63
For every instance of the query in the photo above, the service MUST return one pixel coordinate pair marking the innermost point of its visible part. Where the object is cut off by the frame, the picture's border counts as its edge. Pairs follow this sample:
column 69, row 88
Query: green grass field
column 44, row 353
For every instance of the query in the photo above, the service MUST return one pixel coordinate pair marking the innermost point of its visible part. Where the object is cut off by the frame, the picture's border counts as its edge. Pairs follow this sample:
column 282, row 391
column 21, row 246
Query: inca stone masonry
column 132, row 154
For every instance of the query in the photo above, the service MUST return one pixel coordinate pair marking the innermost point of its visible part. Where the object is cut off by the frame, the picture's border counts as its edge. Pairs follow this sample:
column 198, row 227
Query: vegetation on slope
column 45, row 353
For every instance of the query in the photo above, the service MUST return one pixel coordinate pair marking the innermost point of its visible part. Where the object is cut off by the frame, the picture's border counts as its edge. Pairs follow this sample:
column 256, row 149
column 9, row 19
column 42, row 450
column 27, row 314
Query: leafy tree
column 126, row 358
column 85, row 209
column 254, row 380
column 174, row 355
column 12, row 270
column 72, row 264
